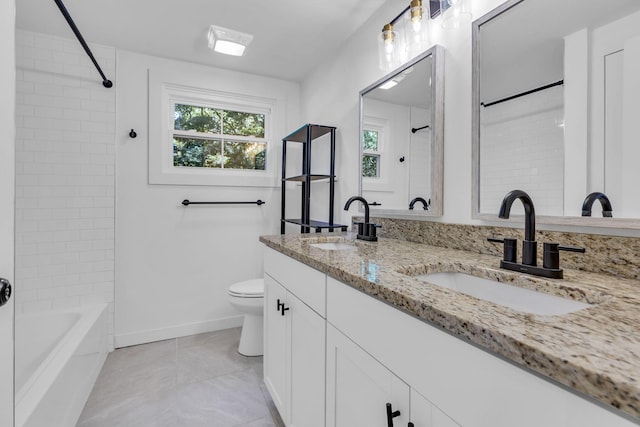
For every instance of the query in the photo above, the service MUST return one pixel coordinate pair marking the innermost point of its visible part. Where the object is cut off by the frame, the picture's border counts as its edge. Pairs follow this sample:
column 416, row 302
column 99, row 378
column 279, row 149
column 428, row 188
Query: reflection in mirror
column 554, row 105
column 401, row 124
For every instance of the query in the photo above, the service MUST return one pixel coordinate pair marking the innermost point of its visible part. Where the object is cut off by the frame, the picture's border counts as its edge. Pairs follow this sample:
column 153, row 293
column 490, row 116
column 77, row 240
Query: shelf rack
column 305, row 135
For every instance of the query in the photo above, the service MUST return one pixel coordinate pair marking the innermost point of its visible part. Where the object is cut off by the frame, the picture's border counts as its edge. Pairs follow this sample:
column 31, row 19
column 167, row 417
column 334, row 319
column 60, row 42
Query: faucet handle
column 510, row 249
column 551, row 254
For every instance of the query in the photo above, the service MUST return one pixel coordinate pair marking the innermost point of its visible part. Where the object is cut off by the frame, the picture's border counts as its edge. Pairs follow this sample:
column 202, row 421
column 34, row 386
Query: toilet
column 248, row 297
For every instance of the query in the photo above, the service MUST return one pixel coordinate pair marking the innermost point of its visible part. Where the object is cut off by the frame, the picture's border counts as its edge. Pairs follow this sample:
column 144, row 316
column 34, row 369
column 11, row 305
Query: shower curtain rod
column 509, row 98
column 105, row 82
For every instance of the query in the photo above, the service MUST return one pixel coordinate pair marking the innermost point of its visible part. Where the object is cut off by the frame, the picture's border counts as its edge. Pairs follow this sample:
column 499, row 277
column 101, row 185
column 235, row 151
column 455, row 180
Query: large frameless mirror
column 401, row 147
column 555, row 85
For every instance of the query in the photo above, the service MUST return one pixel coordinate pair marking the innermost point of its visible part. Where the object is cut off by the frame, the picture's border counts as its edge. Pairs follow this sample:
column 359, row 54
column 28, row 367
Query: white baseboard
column 151, row 335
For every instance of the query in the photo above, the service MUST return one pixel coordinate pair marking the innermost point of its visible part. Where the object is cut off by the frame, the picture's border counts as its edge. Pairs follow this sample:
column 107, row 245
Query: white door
column 359, row 388
column 7, row 174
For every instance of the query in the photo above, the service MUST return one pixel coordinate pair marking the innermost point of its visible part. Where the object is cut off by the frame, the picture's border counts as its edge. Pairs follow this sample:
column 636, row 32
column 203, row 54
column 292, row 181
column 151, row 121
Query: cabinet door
column 275, row 344
column 424, row 414
column 359, row 387
column 307, row 365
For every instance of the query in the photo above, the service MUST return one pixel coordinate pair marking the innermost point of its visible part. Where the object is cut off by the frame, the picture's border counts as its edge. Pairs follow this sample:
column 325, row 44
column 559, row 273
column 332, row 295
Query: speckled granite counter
column 595, row 351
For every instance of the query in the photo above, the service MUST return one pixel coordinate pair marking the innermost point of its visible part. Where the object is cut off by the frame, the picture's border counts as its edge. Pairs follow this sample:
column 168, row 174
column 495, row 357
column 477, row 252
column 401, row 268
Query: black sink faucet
column 604, row 201
column 529, row 245
column 551, row 256
column 366, row 230
column 425, row 204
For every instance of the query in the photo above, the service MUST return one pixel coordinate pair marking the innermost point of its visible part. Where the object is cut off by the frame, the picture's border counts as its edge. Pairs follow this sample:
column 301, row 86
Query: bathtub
column 58, row 356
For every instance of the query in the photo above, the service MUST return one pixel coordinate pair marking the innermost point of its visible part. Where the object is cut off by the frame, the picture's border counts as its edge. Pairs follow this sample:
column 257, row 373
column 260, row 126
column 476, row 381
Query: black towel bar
column 258, row 202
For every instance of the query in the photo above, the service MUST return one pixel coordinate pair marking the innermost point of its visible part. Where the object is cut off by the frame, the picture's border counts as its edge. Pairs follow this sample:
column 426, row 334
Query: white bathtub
column 58, row 356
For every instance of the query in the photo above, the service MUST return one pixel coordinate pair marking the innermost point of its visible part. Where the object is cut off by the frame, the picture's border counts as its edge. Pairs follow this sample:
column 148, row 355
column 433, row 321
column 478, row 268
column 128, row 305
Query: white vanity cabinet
column 294, row 350
column 375, row 354
column 463, row 383
column 359, row 388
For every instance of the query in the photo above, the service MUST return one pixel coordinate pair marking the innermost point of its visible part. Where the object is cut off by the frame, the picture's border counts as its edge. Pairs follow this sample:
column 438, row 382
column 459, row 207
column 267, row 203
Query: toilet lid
column 249, row 288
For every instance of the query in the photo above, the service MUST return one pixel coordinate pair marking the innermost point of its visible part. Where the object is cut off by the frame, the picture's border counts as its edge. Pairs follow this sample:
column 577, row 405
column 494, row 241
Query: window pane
column 203, row 153
column 244, row 155
column 243, row 124
column 192, row 117
column 370, row 140
column 370, row 165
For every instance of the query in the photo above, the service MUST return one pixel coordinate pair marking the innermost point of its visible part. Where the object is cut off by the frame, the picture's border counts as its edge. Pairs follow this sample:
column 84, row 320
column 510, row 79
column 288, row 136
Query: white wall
column 65, row 167
column 522, row 147
column 175, row 264
column 391, row 188
column 330, row 95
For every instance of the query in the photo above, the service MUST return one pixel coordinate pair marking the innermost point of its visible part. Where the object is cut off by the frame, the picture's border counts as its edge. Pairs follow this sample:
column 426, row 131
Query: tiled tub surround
column 593, row 351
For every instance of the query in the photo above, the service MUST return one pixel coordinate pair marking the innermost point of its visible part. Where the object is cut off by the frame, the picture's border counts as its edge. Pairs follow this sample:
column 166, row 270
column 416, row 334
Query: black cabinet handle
column 279, row 305
column 283, row 309
column 391, row 414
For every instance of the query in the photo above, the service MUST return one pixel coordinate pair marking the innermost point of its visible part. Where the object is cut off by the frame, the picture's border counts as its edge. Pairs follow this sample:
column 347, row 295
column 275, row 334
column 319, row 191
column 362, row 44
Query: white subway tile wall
column 521, row 147
column 65, row 183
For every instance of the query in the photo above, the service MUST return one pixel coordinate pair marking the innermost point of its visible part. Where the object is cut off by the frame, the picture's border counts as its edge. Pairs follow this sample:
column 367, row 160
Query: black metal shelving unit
column 305, row 135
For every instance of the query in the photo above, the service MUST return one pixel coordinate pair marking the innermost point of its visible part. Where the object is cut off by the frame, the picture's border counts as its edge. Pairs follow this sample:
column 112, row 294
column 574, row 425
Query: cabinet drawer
column 306, row 283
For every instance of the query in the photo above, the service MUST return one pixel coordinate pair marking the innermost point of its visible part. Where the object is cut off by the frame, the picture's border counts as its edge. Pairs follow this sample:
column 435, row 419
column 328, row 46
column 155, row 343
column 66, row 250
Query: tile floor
column 194, row 381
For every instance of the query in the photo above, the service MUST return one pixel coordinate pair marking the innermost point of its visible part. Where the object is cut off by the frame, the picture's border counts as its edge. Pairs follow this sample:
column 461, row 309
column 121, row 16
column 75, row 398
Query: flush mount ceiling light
column 229, row 42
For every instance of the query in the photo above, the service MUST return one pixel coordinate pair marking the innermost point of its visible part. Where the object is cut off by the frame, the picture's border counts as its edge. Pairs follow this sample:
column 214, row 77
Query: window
column 370, row 154
column 209, row 137
column 202, row 135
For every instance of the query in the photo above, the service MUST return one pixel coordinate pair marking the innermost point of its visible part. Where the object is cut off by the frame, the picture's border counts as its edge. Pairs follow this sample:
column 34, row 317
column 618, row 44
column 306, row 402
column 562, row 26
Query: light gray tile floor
column 196, row 381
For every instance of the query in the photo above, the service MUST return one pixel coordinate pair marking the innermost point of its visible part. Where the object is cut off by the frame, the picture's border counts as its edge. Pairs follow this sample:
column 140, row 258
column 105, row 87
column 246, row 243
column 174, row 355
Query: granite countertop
column 595, row 351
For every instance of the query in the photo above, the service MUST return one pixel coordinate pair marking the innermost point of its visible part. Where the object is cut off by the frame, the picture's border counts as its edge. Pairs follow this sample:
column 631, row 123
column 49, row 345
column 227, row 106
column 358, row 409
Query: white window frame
column 381, row 182
column 162, row 99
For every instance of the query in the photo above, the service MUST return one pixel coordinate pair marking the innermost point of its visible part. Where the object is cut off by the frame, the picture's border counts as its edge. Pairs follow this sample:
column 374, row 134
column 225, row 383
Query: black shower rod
column 105, row 81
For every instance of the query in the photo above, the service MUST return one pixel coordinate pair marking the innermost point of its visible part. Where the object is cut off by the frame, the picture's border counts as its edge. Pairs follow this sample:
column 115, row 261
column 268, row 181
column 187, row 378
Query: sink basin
column 330, row 243
column 514, row 297
column 333, row 246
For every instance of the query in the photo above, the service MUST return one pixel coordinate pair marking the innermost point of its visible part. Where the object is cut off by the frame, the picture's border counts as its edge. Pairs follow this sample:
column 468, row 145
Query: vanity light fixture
column 228, row 42
column 406, row 36
column 458, row 14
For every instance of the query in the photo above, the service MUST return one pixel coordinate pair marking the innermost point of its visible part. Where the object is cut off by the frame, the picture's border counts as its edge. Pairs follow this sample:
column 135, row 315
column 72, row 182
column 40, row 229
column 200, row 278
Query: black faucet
column 604, row 201
column 529, row 245
column 551, row 259
column 425, row 204
column 366, row 230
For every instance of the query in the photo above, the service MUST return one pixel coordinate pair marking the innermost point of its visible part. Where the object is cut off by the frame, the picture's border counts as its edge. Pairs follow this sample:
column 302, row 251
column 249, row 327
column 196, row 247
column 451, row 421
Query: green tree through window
column 370, row 158
column 204, row 137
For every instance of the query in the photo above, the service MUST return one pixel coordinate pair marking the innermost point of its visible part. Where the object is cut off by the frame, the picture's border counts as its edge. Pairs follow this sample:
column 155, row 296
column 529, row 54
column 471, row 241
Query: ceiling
column 291, row 37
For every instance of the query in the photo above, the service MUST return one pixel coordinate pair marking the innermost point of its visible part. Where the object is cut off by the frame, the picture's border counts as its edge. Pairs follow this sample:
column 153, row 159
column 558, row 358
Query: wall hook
column 401, row 159
column 133, row 133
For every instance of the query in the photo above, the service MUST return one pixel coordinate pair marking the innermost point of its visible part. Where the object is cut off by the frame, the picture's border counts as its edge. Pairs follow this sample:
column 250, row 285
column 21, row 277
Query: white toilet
column 248, row 297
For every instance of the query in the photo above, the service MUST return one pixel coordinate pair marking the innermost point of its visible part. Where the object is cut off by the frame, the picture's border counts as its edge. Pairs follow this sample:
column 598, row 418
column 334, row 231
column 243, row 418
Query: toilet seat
column 253, row 288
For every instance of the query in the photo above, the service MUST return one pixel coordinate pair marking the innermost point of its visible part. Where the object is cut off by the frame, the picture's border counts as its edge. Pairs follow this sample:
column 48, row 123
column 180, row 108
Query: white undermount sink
column 333, row 246
column 514, row 297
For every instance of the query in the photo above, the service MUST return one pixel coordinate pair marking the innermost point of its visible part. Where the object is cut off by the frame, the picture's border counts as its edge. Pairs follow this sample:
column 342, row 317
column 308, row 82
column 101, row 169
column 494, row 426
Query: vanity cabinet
column 469, row 386
column 359, row 388
column 375, row 354
column 294, row 350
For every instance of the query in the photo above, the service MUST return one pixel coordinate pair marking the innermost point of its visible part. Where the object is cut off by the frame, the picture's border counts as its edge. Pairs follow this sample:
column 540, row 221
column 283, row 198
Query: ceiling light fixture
column 228, row 42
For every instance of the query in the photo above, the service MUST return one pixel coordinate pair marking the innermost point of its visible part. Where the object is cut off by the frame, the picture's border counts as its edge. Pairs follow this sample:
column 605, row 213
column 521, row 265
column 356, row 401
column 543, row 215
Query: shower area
column 64, row 226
